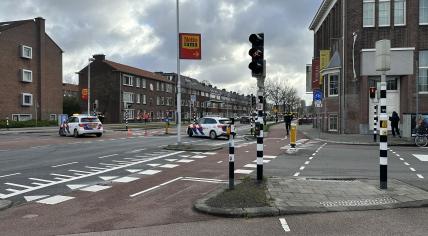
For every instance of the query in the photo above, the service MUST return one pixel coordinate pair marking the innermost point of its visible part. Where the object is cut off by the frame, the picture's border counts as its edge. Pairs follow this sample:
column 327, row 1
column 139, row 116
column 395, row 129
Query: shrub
column 28, row 123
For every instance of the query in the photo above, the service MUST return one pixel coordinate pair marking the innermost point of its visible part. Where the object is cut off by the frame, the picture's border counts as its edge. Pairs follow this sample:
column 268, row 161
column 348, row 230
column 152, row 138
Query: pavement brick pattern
column 334, row 194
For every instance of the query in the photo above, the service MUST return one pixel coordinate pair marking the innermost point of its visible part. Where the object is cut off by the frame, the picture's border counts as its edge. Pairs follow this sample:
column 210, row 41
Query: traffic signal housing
column 372, row 92
column 257, row 54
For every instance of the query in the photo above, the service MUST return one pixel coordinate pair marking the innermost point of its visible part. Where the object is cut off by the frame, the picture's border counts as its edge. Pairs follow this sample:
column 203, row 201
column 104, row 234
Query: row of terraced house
column 31, row 70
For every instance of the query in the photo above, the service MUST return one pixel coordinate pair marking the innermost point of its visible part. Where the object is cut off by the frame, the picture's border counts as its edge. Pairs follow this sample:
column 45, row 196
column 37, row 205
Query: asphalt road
column 130, row 183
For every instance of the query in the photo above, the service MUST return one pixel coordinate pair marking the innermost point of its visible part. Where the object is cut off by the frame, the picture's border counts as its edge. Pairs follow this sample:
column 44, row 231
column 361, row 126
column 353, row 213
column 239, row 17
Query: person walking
column 287, row 120
column 394, row 123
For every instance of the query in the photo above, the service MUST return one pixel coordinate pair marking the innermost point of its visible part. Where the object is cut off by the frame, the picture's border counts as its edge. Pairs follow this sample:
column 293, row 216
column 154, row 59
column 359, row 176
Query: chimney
column 99, row 57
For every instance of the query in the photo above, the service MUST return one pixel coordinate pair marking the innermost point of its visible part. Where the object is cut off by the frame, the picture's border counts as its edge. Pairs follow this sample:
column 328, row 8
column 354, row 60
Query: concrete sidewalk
column 356, row 139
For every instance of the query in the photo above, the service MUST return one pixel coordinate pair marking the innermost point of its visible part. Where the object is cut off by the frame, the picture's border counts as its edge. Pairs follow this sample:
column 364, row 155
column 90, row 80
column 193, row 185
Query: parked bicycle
column 421, row 138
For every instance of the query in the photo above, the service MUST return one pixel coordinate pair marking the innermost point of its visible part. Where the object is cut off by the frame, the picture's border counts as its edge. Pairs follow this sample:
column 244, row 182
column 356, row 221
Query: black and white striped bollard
column 375, row 119
column 383, row 142
column 259, row 124
column 232, row 155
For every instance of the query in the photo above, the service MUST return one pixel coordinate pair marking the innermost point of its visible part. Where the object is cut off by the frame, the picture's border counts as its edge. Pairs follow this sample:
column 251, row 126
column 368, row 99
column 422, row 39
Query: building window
column 423, row 72
column 52, row 117
column 423, row 12
column 137, row 82
column 26, row 52
column 162, row 101
column 128, row 97
column 384, row 12
column 399, row 12
column 127, row 80
column 163, row 87
column 157, row 86
column 27, row 76
column 138, row 98
column 143, row 82
column 144, row 99
column 158, row 100
column 333, row 85
column 27, row 99
column 21, row 117
column 368, row 13
column 151, row 87
column 332, row 122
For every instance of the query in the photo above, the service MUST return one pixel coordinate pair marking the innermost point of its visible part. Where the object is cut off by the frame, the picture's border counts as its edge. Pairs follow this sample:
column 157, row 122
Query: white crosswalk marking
column 168, row 166
column 149, row 172
column 55, row 199
column 421, row 157
column 125, row 179
column 242, row 171
column 95, row 188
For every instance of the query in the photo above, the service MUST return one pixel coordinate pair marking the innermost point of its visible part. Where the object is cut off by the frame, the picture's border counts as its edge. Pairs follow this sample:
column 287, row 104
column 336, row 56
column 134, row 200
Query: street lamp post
column 89, row 85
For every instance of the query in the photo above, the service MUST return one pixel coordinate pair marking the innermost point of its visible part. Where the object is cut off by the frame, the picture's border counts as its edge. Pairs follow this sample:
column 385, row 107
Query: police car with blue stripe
column 211, row 127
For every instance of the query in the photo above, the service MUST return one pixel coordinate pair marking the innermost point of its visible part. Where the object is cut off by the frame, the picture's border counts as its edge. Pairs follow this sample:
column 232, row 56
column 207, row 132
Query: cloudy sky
column 142, row 33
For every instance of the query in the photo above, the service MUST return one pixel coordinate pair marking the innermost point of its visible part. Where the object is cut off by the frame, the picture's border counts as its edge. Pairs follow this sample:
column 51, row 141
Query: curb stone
column 4, row 204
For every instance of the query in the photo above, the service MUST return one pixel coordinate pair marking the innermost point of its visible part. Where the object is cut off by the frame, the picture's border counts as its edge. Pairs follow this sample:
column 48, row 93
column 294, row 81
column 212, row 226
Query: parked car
column 78, row 125
column 245, row 120
column 211, row 127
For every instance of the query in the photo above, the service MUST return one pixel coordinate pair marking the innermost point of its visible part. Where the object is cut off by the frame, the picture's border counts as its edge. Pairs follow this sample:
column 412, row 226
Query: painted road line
column 219, row 162
column 296, row 174
column 9, row 175
column 171, row 160
column 141, row 156
column 125, row 179
column 110, row 165
column 185, row 161
column 106, row 178
column 269, row 157
column 419, row 176
column 66, row 164
column 133, row 170
column 95, row 188
column 18, row 185
column 81, row 171
column 401, row 159
column 198, row 156
column 241, row 171
column 149, row 172
column 132, row 159
column 122, row 162
column 33, row 198
column 55, row 199
column 250, row 166
column 196, row 152
column 111, row 155
column 310, row 158
column 185, row 156
column 13, row 190
column 85, row 176
column 209, row 153
column 154, row 164
column 264, row 161
column 421, row 157
column 154, row 187
column 136, row 150
column 42, row 180
column 59, row 178
column 307, row 162
column 412, row 169
column 302, row 167
column 39, row 184
column 206, row 181
column 168, row 166
column 407, row 164
column 313, row 154
column 284, row 224
column 66, row 176
column 76, row 186
column 217, row 180
column 96, row 168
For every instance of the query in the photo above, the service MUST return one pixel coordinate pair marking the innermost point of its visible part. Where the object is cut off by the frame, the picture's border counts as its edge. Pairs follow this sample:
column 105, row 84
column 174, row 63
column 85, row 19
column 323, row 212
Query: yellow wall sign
column 324, row 60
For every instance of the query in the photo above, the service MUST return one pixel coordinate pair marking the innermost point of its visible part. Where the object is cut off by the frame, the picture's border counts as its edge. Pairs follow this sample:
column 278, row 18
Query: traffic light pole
column 259, row 126
column 178, row 78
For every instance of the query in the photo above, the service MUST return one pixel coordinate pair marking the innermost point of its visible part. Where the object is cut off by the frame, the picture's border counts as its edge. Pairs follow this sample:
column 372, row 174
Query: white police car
column 78, row 125
column 212, row 127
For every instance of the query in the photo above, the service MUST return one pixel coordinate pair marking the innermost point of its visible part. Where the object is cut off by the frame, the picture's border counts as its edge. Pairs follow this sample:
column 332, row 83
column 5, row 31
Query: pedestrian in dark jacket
column 394, row 123
column 287, row 120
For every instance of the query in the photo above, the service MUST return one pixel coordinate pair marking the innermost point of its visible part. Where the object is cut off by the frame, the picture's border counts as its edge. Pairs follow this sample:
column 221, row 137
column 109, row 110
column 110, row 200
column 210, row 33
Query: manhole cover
column 361, row 202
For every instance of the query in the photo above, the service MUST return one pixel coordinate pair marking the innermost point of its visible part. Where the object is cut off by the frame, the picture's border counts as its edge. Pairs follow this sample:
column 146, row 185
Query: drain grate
column 362, row 202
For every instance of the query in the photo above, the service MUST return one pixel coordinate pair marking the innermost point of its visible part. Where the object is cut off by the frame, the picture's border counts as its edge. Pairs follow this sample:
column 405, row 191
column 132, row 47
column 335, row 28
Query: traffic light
column 256, row 52
column 372, row 91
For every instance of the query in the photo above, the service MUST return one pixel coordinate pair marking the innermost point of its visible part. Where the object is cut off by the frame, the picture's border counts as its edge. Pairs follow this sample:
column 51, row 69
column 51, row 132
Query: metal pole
column 259, row 124
column 178, row 78
column 417, row 89
column 7, row 123
column 232, row 155
column 383, row 144
column 89, row 86
column 375, row 123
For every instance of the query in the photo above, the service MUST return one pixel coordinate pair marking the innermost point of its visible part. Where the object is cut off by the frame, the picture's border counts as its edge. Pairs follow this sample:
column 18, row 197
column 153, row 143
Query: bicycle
column 421, row 138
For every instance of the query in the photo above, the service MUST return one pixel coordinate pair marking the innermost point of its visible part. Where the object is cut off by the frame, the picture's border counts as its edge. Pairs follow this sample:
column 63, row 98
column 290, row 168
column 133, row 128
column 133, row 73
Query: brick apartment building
column 31, row 71
column 209, row 100
column 116, row 88
column 345, row 33
column 71, row 90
